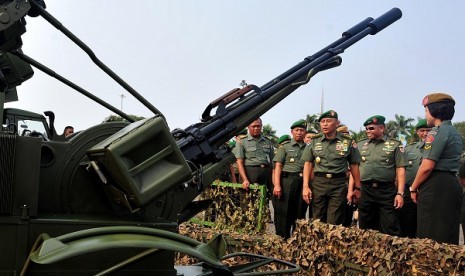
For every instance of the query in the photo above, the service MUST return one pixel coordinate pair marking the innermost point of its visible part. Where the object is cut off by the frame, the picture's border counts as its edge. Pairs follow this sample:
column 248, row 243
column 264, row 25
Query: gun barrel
column 236, row 115
column 385, row 20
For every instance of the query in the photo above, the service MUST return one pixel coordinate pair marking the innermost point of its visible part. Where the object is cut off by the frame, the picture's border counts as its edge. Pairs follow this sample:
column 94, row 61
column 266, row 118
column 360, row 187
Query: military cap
column 343, row 129
column 376, row 119
column 299, row 123
column 284, row 138
column 328, row 114
column 421, row 124
column 436, row 98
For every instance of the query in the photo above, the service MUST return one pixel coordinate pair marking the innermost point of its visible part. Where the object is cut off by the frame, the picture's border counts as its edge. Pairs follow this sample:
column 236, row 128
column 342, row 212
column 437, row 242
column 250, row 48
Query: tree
column 270, row 133
column 401, row 126
column 460, row 126
column 312, row 123
column 358, row 135
column 116, row 118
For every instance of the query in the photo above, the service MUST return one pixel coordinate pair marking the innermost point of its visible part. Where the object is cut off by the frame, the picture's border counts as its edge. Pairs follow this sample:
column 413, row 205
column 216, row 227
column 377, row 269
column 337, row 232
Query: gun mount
column 113, row 193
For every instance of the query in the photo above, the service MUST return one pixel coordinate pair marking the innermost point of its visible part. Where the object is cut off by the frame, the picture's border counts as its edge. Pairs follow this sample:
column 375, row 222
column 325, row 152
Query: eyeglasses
column 370, row 128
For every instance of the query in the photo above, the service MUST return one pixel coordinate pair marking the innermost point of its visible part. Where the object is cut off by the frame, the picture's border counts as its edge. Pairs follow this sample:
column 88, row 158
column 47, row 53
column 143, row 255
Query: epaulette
column 347, row 136
column 242, row 136
column 316, row 135
column 412, row 143
column 285, row 142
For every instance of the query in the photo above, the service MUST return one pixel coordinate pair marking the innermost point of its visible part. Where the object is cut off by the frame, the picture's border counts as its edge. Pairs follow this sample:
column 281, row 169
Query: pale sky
column 181, row 55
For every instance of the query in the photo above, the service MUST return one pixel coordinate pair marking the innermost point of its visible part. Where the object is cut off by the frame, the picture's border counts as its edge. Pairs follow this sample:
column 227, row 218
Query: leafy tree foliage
column 460, row 126
column 270, row 133
column 400, row 125
column 115, row 118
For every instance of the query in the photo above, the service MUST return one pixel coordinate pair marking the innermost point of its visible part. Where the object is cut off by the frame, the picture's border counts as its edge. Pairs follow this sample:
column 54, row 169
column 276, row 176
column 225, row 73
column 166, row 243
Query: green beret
column 436, row 98
column 299, row 123
column 284, row 138
column 376, row 120
column 421, row 124
column 328, row 114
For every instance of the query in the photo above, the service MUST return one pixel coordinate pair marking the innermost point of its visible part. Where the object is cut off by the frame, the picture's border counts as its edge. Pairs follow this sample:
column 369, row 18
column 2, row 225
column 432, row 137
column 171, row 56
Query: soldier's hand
column 307, row 194
column 414, row 197
column 245, row 184
column 398, row 201
column 277, row 191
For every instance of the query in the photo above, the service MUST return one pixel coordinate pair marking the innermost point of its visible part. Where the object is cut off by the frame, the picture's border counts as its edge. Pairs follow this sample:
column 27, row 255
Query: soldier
column 413, row 153
column 382, row 173
column 288, row 180
column 328, row 157
column 439, row 195
column 254, row 154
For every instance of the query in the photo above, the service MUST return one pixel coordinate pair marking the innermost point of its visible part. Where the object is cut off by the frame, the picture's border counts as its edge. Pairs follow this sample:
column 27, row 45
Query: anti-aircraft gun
column 113, row 195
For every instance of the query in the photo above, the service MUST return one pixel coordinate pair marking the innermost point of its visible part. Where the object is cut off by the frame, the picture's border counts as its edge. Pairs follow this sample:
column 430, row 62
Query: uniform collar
column 382, row 139
column 294, row 142
column 249, row 137
column 445, row 123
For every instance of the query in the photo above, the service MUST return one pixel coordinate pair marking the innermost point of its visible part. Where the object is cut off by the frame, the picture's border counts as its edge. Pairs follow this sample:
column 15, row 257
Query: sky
column 181, row 55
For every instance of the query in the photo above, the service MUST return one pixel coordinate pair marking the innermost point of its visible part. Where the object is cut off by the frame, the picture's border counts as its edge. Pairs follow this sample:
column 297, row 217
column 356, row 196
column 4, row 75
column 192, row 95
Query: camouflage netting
column 227, row 212
column 323, row 249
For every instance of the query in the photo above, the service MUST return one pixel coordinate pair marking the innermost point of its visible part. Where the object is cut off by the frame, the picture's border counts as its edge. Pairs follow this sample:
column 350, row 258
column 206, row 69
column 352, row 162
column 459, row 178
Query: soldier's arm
column 241, row 170
column 354, row 189
column 307, row 173
column 400, row 183
column 277, row 179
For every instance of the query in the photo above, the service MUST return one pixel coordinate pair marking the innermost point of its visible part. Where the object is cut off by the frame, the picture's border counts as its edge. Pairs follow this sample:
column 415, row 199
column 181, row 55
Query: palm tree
column 270, row 133
column 401, row 126
column 358, row 135
column 312, row 123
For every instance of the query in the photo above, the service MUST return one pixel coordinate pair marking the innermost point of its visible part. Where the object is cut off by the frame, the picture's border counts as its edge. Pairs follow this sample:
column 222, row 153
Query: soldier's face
column 308, row 138
column 374, row 131
column 298, row 133
column 328, row 125
column 255, row 128
column 423, row 132
column 429, row 117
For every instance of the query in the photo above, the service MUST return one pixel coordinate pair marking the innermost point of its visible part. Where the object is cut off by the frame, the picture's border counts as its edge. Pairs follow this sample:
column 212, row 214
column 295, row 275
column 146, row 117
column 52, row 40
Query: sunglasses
column 370, row 128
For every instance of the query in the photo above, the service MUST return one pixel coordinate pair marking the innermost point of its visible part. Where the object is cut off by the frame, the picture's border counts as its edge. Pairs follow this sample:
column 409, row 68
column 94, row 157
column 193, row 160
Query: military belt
column 376, row 184
column 330, row 175
column 259, row 166
column 291, row 174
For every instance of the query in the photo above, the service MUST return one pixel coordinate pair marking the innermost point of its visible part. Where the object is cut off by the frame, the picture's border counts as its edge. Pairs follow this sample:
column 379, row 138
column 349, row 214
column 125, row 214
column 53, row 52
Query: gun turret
column 126, row 173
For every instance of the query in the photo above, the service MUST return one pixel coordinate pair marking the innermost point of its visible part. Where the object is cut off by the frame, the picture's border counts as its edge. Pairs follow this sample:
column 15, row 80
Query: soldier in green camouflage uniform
column 439, row 195
column 288, row 180
column 254, row 154
column 328, row 157
column 413, row 153
column 382, row 172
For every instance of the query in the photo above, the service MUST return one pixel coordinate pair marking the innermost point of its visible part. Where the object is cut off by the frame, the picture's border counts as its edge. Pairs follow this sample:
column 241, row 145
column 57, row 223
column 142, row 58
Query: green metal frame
column 48, row 250
column 261, row 207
